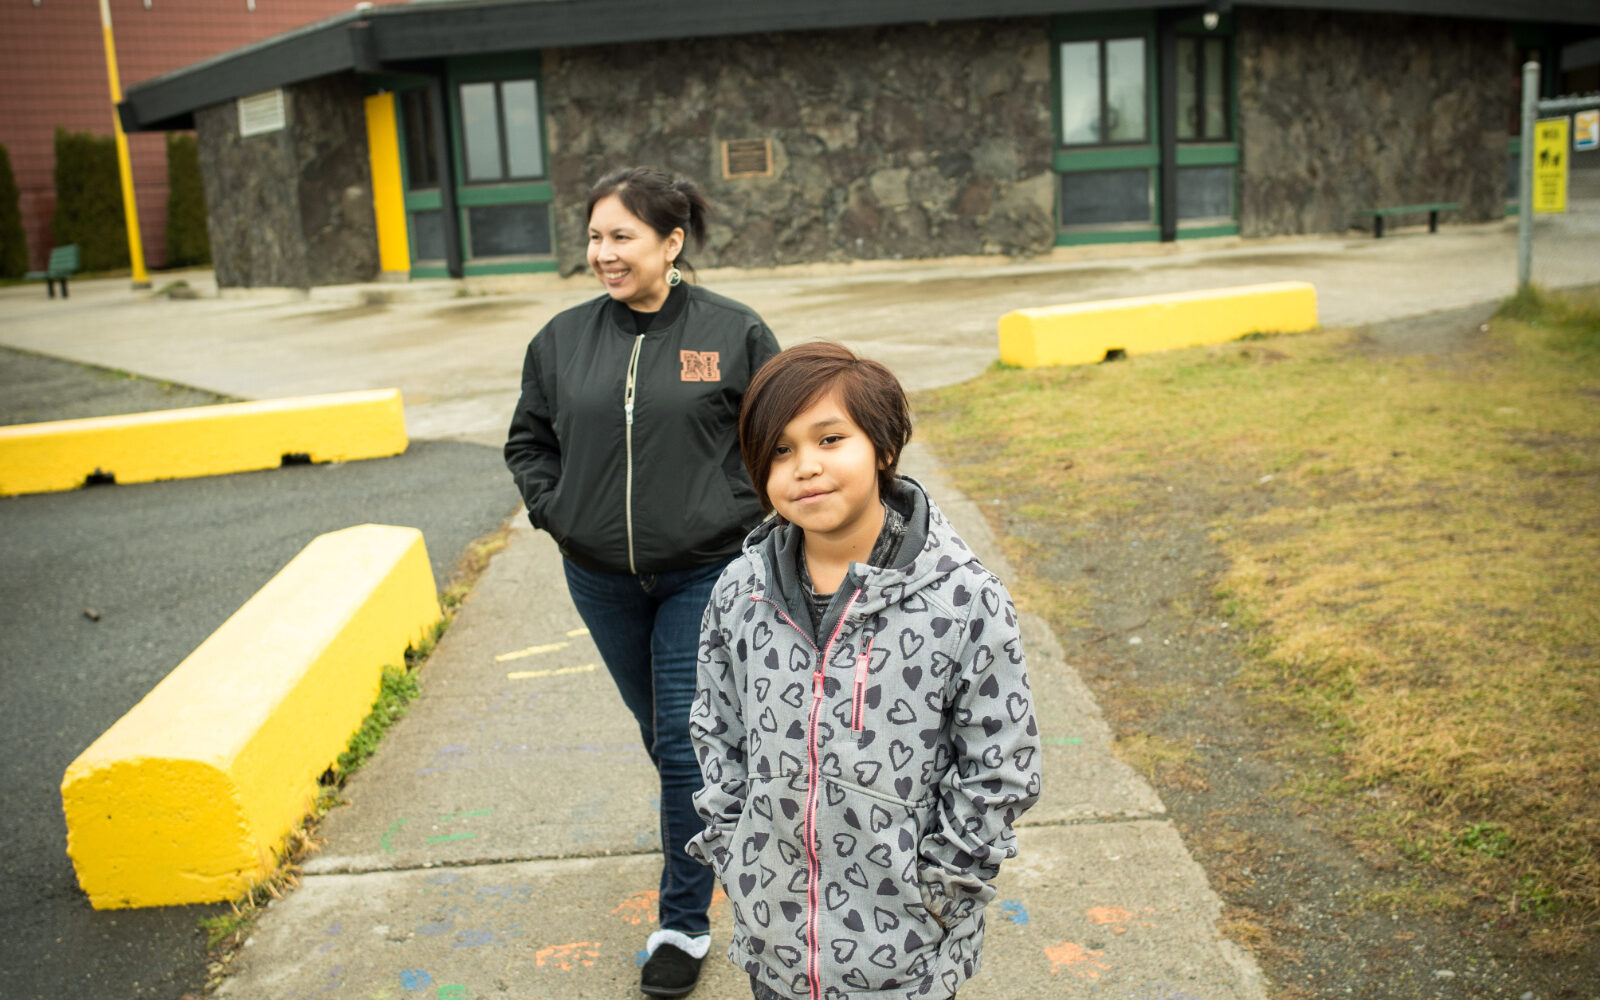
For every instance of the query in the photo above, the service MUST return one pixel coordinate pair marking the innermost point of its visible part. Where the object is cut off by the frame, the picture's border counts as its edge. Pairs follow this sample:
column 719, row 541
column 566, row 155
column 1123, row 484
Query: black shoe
column 669, row 972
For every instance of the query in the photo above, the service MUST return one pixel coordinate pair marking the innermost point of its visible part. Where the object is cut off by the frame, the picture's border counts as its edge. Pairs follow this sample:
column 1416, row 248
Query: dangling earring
column 674, row 276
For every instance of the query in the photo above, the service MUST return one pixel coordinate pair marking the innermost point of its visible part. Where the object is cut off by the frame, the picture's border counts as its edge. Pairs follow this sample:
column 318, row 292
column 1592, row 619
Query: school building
column 459, row 137
column 53, row 74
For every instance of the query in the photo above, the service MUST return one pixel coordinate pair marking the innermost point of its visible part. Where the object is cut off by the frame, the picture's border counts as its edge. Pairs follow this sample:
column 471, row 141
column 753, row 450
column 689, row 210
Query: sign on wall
column 1586, row 130
column 1550, row 165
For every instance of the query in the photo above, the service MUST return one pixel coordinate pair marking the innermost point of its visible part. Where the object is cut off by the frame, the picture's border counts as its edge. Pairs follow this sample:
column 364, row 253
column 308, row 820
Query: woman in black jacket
column 625, row 447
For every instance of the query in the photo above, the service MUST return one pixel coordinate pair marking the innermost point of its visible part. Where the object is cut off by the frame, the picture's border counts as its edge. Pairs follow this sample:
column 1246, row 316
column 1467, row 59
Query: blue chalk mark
column 414, row 980
column 1014, row 911
column 473, row 939
column 434, row 928
column 640, row 957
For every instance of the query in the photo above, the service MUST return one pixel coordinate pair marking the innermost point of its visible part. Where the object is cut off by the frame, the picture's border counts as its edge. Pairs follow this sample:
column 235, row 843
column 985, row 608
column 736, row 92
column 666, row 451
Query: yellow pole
column 130, row 207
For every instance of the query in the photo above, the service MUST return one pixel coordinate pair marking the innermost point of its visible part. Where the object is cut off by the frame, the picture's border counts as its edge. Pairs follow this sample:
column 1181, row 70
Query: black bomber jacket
column 625, row 446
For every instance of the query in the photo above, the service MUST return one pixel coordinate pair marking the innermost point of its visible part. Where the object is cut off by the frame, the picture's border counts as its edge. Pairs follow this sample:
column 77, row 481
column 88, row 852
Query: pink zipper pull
column 817, row 687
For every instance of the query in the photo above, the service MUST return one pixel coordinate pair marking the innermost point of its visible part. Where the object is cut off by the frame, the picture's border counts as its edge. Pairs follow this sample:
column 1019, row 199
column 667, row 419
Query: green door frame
column 1161, row 154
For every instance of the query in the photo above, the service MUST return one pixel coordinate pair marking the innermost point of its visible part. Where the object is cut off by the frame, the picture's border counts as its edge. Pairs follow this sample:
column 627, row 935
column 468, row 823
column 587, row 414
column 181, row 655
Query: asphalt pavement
column 103, row 591
column 500, row 843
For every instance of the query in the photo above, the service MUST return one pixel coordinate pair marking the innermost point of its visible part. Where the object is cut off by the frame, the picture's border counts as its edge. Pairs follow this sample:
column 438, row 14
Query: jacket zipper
column 813, row 866
column 857, row 700
column 814, row 873
column 627, row 408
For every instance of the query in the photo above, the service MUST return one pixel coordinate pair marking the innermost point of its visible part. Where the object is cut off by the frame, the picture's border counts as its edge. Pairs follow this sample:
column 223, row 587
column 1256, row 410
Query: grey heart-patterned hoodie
column 860, row 792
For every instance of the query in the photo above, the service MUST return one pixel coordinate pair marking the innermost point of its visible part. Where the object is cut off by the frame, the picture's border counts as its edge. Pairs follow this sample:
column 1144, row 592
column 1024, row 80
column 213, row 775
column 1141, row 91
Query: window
column 1202, row 90
column 1105, row 197
column 1205, row 193
column 1104, row 92
column 500, row 130
column 422, row 158
column 509, row 230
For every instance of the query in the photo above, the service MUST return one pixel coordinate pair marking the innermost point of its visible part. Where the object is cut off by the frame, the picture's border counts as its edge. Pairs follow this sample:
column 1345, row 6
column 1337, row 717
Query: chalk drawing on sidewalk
column 567, row 957
column 1116, row 918
column 387, row 841
column 1014, row 912
column 528, row 675
column 1076, row 959
column 573, row 633
column 455, row 991
column 415, row 980
column 639, row 908
column 549, row 647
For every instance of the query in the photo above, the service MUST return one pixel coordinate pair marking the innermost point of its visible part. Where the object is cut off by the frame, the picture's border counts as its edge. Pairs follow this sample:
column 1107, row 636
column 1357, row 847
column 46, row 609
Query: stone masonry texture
column 901, row 142
column 293, row 207
column 1340, row 112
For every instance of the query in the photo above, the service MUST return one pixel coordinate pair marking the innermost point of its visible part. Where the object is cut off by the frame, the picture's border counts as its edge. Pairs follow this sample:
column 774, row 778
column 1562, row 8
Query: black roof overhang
column 399, row 37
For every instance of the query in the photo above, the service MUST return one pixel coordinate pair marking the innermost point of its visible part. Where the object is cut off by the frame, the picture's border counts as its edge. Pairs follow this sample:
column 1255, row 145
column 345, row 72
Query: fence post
column 1530, row 105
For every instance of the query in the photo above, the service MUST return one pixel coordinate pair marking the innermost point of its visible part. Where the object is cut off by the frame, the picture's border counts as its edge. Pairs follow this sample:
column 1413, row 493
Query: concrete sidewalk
column 502, row 843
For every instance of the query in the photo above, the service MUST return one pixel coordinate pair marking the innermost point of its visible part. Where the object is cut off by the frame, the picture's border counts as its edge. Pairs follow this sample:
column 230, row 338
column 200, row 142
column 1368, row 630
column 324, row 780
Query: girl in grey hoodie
column 862, row 720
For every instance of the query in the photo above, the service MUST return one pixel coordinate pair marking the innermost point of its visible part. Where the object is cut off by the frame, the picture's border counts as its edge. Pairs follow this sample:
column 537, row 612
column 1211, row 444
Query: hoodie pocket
column 876, row 932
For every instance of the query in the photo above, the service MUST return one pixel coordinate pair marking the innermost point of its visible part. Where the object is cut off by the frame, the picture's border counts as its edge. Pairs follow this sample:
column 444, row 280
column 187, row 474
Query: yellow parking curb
column 1086, row 332
column 201, row 441
column 186, row 798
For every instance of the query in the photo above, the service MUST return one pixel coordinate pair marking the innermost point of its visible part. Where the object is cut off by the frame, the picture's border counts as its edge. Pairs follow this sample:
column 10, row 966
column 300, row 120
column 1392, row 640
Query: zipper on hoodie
column 814, row 949
column 627, row 409
column 813, row 865
column 857, row 699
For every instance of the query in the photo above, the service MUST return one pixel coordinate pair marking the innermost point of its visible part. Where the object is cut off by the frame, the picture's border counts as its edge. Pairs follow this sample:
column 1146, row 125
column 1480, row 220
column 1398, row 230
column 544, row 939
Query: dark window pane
column 1513, row 167
column 1205, row 192
column 1101, row 197
column 427, row 235
column 480, row 127
column 509, row 230
column 422, row 163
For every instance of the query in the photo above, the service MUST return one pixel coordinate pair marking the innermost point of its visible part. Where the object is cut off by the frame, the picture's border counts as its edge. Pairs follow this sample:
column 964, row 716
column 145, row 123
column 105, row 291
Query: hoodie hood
column 931, row 551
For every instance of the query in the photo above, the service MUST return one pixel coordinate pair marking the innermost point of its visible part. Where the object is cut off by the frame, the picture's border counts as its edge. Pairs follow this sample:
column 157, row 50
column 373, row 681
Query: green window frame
column 1106, row 190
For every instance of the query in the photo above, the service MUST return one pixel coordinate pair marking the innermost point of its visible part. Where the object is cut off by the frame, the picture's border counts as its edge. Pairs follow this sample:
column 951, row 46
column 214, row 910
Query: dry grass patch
column 1412, row 543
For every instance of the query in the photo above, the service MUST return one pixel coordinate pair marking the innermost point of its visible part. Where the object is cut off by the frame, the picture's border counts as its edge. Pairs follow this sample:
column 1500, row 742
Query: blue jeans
column 647, row 628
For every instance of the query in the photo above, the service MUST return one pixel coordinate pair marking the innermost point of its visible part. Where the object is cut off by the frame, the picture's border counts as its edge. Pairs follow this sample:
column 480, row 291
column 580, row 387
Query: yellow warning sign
column 1550, row 165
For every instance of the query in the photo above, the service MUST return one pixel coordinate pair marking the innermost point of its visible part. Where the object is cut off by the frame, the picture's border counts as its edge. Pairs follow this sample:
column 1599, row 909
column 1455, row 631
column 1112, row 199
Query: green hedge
column 89, row 200
column 13, row 241
column 187, row 242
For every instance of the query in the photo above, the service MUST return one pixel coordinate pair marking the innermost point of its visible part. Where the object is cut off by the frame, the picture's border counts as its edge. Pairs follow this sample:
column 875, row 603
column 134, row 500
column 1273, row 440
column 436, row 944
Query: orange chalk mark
column 1114, row 917
column 639, row 908
column 566, row 957
column 1076, row 959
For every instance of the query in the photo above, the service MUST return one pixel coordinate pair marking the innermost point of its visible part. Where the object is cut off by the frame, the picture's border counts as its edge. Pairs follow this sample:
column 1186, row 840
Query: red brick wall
column 53, row 73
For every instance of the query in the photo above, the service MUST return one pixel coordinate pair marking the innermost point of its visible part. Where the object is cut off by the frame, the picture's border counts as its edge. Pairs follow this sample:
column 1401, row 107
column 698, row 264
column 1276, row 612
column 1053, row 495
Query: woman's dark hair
column 663, row 203
column 797, row 378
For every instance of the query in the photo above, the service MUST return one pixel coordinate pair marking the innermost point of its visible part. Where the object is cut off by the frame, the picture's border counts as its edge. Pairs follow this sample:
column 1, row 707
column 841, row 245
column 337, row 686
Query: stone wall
column 1340, row 112
column 292, row 207
column 922, row 141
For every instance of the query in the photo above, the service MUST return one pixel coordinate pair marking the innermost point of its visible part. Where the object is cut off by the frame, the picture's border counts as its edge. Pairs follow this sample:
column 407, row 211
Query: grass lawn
column 1411, row 544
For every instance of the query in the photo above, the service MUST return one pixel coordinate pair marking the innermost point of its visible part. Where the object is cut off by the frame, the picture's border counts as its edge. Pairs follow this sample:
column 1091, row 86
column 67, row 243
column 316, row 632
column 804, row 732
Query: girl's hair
column 663, row 203
column 797, row 378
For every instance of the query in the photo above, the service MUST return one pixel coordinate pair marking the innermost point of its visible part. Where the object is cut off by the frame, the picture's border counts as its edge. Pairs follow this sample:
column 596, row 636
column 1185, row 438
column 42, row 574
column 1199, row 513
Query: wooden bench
column 1432, row 208
column 63, row 265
